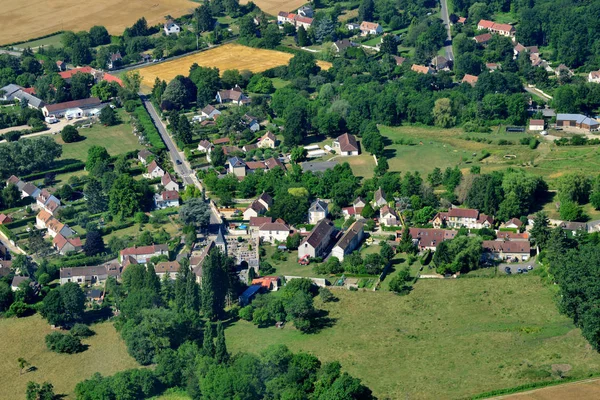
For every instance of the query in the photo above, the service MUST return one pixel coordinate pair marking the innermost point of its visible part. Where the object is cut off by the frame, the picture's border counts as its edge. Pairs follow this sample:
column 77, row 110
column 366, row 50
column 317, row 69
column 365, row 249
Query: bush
column 61, row 343
column 246, row 313
column 326, row 295
column 69, row 134
column 81, row 331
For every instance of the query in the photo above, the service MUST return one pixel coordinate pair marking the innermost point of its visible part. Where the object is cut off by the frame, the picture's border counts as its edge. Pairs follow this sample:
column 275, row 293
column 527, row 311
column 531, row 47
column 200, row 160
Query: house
column 513, row 223
column 30, row 190
column 94, row 296
column 462, row 217
column 388, row 216
column 48, row 202
column 536, row 124
column 355, row 209
column 507, row 235
column 170, row 268
column 237, row 166
column 274, row 232
column 594, row 76
column 346, row 145
column 233, row 95
column 352, row 26
column 266, row 200
column 197, row 262
column 209, row 112
column 61, row 65
column 65, row 245
column 317, row 211
column 563, row 69
column 169, row 183
column 167, row 198
column 204, row 146
column 470, row 79
column 144, row 253
column 421, row 69
column 315, row 244
column 17, row 281
column 573, row 227
column 532, row 50
column 273, row 162
column 370, row 28
column 253, row 166
column 267, row 282
column 379, row 198
column 306, row 11
column 171, row 28
column 267, row 141
column 96, row 275
column 144, row 156
column 285, row 17
column 14, row 92
column 440, row 63
column 221, row 141
column 257, row 222
column 74, row 109
column 428, row 238
column 483, row 39
column 492, row 66
column 255, row 209
column 5, row 219
column 576, row 121
column 340, row 46
column 500, row 29
column 399, row 60
column 251, row 122
column 114, row 60
column 55, row 227
column 154, row 171
column 17, row 182
column 42, row 219
column 5, row 268
column 349, row 240
column 461, row 20
column 518, row 250
column 305, row 22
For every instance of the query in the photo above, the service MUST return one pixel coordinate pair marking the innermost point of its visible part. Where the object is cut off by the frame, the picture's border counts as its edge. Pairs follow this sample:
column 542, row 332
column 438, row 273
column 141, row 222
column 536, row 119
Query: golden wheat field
column 229, row 56
column 23, row 20
column 274, row 6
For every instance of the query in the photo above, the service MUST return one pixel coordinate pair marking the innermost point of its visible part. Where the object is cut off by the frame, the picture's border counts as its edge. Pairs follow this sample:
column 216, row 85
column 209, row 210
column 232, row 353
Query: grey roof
column 236, row 162
column 8, row 90
column 220, row 237
column 319, row 232
column 318, row 166
column 17, row 280
column 32, row 100
column 578, row 118
column 318, row 206
column 548, row 112
column 354, row 230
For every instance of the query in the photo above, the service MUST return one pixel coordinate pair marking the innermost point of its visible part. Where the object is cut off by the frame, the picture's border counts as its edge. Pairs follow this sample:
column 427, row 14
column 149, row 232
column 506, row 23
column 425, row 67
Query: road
column 180, row 164
column 11, row 53
column 514, row 266
column 446, row 19
column 52, row 129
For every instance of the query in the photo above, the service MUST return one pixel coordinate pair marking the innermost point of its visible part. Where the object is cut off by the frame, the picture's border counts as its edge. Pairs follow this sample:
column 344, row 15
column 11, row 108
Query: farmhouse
column 536, row 124
column 370, row 28
column 274, row 232
column 154, row 171
column 470, row 79
column 267, row 141
column 422, row 69
column 500, row 29
column 346, row 145
column 317, row 241
column 349, row 241
column 594, row 76
column 169, row 183
column 294, row 19
column 64, row 245
column 89, row 275
column 462, row 217
column 576, row 121
column 167, row 267
column 507, row 250
column 74, row 109
column 317, row 211
column 428, row 238
column 388, row 216
column 144, row 253
column 167, row 198
column 233, row 95
column 171, row 28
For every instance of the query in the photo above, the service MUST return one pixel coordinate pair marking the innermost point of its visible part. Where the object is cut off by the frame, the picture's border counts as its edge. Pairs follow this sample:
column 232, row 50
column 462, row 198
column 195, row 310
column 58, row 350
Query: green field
column 24, row 338
column 117, row 139
column 54, row 40
column 447, row 339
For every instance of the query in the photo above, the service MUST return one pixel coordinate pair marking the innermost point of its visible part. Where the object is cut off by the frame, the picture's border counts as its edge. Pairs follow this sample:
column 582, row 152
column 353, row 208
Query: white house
column 42, row 219
column 209, row 112
column 536, row 124
column 251, row 122
column 317, row 211
column 144, row 155
column 387, row 216
column 255, row 209
column 370, row 28
column 274, row 232
column 266, row 200
column 168, row 198
column 204, row 146
column 154, row 171
column 594, row 77
column 352, row 26
column 379, row 198
column 56, row 227
column 171, row 28
column 48, row 202
column 169, row 183
column 143, row 253
column 65, row 245
column 233, row 95
column 507, row 249
column 167, row 267
column 349, row 241
column 306, row 11
column 346, row 145
column 74, row 109
column 267, row 141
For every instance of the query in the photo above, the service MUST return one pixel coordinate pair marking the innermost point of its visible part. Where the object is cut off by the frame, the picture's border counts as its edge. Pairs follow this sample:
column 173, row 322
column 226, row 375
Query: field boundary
column 530, row 387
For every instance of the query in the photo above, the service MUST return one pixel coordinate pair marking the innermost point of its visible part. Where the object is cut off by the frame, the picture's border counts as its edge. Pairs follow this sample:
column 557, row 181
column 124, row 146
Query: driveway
column 52, row 129
column 514, row 266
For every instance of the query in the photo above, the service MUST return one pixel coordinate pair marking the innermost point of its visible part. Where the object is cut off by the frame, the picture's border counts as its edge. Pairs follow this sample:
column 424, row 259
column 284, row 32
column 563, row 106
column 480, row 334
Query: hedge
column 76, row 166
column 81, row 260
column 149, row 128
column 19, row 223
column 8, row 233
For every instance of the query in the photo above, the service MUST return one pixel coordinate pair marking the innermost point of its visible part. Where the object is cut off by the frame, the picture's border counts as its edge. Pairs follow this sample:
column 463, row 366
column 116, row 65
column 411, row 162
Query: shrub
column 246, row 313
column 69, row 134
column 61, row 343
column 81, row 331
column 326, row 295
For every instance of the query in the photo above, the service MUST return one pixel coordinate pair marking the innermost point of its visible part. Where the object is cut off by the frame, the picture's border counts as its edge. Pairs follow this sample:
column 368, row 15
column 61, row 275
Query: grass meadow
column 447, row 339
column 25, row 337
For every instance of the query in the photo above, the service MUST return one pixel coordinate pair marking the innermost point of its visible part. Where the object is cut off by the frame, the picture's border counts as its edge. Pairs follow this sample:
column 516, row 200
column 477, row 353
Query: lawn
column 38, row 18
column 24, row 338
column 54, row 40
column 447, row 339
column 290, row 266
column 117, row 139
column 229, row 56
column 362, row 165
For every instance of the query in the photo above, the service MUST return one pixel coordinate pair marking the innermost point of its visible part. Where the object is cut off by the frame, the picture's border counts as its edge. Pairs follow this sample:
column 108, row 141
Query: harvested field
column 588, row 389
column 229, row 56
column 37, row 18
column 274, row 6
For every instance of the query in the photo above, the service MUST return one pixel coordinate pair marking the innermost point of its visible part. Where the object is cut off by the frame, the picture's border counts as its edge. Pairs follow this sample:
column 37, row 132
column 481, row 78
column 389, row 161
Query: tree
column 406, row 242
column 127, row 196
column 63, row 343
column 22, row 365
column 302, row 37
column 571, row 211
column 208, row 345
column 94, row 244
column 28, row 155
column 108, row 116
column 298, row 154
column 96, row 199
column 184, row 130
column 70, row 135
column 574, row 187
column 99, row 36
column 204, row 18
column 221, row 354
column 195, row 212
column 80, row 85
column 6, row 296
column 261, row 84
column 366, row 10
column 37, row 392
column 215, row 283
column 292, row 209
column 386, row 251
column 11, row 195
column 324, row 29
column 96, row 155
column 389, row 45
column 217, row 157
column 302, row 65
column 398, row 284
column 63, row 305
column 442, row 113
column 132, row 81
column 479, row 11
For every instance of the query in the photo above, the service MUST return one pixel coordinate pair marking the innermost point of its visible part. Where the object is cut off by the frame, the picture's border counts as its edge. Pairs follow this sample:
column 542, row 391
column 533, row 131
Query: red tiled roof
column 347, row 142
column 422, row 69
column 463, row 213
column 221, row 140
column 169, row 195
column 514, row 246
column 483, row 38
column 142, row 250
column 88, row 103
column 256, row 165
column 69, row 74
column 536, row 122
column 112, row 78
column 470, row 79
column 5, row 219
column 259, row 221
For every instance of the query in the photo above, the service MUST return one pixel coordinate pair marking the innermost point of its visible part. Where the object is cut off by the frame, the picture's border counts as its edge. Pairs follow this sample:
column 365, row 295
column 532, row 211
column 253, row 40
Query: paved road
column 12, row 53
column 514, row 266
column 446, row 19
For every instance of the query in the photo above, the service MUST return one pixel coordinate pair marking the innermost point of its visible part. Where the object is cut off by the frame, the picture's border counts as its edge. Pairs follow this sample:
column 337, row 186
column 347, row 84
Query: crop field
column 587, row 389
column 492, row 333
column 35, row 18
column 274, row 6
column 24, row 338
column 229, row 56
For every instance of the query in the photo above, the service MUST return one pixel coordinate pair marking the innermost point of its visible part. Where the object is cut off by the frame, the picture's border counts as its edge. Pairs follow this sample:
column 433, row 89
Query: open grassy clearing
column 229, row 56
column 37, row 18
column 24, row 338
column 491, row 333
column 117, row 139
column 274, row 6
column 54, row 40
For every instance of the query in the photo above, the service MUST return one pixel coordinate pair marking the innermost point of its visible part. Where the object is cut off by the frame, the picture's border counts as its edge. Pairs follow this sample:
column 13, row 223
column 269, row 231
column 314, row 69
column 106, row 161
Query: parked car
column 507, row 270
column 529, row 267
column 519, row 270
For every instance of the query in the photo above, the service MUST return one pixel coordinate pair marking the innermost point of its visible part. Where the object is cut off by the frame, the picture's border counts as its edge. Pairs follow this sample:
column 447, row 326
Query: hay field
column 274, row 6
column 229, row 56
column 35, row 18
